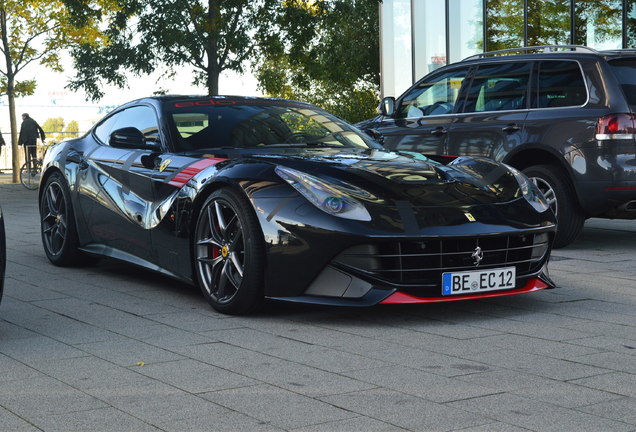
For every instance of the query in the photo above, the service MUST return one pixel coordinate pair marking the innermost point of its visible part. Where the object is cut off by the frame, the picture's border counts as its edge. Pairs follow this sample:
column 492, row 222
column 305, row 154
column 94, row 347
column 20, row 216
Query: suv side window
column 499, row 87
column 560, row 84
column 434, row 96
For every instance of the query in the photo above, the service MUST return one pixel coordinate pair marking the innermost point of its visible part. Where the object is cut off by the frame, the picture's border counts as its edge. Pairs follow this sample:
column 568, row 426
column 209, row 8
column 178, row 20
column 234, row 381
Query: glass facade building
column 418, row 36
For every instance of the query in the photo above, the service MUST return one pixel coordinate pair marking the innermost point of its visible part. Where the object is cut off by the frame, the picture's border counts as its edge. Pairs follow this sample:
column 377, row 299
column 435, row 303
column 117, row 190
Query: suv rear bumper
column 605, row 178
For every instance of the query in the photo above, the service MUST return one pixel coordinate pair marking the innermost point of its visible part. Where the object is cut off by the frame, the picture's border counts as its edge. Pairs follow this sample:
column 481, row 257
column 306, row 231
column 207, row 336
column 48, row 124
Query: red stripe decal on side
column 191, row 170
column 402, row 298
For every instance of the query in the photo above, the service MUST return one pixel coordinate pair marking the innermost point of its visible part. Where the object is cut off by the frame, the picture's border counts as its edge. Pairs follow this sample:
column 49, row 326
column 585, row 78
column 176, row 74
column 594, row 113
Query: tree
column 34, row 31
column 211, row 36
column 325, row 52
column 53, row 125
column 72, row 129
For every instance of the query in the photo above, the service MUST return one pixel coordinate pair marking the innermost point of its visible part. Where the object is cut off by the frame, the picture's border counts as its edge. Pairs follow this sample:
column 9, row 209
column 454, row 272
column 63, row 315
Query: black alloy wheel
column 59, row 235
column 562, row 200
column 228, row 249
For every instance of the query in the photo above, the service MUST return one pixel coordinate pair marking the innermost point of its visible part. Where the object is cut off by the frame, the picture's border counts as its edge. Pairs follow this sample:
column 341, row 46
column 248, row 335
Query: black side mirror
column 373, row 133
column 131, row 138
column 387, row 106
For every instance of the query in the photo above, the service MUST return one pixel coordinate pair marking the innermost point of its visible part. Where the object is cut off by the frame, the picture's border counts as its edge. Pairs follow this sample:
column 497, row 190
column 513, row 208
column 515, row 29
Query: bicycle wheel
column 30, row 174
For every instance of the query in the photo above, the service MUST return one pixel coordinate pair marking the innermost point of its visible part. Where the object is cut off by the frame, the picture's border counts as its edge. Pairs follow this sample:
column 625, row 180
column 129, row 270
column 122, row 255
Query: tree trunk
column 213, row 81
column 212, row 48
column 15, row 157
column 10, row 74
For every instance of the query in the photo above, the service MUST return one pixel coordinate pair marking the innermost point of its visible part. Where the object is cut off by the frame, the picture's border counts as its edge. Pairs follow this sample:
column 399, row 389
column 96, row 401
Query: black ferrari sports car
column 254, row 198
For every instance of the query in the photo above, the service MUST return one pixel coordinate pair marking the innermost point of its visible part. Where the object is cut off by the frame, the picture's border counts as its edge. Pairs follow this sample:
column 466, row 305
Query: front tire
column 562, row 199
column 229, row 253
column 59, row 233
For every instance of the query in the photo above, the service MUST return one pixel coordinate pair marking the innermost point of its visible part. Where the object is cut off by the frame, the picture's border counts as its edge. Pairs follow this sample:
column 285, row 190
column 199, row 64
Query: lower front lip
column 398, row 297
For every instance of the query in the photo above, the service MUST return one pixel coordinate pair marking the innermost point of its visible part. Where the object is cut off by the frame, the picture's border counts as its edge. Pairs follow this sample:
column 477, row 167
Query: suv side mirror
column 131, row 138
column 387, row 106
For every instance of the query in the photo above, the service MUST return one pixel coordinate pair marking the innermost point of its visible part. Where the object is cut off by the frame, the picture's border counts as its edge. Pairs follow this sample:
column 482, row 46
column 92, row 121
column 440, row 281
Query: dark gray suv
column 564, row 115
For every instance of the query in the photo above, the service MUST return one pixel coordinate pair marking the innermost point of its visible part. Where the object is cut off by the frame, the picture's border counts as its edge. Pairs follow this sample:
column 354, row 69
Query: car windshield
column 227, row 123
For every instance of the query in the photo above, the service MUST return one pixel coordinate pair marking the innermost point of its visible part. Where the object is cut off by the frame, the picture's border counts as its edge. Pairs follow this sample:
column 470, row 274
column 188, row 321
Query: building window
column 505, row 24
column 397, row 55
column 630, row 24
column 429, row 35
column 598, row 23
column 466, row 28
column 549, row 22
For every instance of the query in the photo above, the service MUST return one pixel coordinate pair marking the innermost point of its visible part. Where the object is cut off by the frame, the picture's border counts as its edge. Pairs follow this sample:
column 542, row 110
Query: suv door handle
column 512, row 127
column 439, row 131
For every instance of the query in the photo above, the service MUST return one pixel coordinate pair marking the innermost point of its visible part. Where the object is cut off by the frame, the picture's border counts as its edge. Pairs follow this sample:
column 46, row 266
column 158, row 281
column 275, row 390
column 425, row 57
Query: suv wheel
column 560, row 194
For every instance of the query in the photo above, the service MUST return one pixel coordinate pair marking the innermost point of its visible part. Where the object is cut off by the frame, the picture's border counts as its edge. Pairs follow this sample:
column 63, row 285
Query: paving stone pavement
column 110, row 347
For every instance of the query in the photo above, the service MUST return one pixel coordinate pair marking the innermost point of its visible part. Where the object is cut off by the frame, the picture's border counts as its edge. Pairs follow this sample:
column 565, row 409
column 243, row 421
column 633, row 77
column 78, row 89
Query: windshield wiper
column 283, row 145
column 323, row 144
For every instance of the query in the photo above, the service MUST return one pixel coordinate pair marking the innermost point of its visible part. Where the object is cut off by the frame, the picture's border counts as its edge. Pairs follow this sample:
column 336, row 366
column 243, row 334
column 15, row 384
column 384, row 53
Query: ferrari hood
column 407, row 176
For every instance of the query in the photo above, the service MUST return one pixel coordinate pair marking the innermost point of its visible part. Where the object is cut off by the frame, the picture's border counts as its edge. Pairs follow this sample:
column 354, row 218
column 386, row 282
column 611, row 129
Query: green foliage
column 53, row 126
column 325, row 52
column 36, row 31
column 72, row 130
column 20, row 88
column 210, row 37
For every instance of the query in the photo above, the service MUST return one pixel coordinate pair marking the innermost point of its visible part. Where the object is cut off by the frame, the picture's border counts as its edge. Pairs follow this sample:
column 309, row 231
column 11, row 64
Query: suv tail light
column 616, row 127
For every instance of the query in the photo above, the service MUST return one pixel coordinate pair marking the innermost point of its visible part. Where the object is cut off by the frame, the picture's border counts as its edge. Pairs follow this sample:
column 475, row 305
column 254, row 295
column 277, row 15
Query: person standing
column 29, row 132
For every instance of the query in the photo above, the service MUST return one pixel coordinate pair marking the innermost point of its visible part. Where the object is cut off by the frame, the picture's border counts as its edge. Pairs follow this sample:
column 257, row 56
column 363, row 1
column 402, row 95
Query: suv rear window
column 560, row 84
column 625, row 71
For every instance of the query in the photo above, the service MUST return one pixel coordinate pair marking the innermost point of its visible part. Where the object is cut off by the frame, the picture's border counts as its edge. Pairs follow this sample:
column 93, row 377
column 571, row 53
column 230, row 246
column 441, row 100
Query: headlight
column 530, row 191
column 327, row 197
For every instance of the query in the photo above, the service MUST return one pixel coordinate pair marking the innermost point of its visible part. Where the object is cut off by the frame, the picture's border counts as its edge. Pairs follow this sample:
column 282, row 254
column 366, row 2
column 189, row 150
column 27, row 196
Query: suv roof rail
column 526, row 50
column 619, row 51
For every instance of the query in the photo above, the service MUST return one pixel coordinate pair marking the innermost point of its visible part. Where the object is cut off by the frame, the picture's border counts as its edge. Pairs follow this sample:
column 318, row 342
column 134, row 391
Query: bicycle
column 31, row 173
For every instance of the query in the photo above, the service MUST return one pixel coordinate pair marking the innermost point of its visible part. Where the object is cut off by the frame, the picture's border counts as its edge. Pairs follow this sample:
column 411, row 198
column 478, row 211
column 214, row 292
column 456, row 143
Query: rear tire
column 229, row 253
column 562, row 198
column 59, row 233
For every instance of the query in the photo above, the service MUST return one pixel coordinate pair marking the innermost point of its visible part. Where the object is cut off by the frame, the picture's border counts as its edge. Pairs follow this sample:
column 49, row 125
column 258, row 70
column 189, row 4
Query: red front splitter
column 402, row 298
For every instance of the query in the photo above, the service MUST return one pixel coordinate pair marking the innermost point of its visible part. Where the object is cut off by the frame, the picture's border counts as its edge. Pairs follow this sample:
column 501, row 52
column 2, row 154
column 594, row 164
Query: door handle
column 439, row 131
column 512, row 127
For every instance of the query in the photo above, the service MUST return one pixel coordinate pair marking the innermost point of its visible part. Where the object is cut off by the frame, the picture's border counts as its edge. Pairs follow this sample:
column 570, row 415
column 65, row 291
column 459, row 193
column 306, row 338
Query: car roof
column 163, row 99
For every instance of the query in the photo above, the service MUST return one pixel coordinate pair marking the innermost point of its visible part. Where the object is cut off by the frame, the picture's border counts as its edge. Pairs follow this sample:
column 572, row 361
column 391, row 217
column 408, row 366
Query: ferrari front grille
column 422, row 261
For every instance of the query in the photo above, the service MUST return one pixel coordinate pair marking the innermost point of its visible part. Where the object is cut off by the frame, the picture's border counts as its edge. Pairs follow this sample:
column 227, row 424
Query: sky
column 52, row 99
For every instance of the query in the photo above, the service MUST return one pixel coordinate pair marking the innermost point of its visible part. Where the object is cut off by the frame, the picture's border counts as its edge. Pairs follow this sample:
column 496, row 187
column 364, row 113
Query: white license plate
column 477, row 281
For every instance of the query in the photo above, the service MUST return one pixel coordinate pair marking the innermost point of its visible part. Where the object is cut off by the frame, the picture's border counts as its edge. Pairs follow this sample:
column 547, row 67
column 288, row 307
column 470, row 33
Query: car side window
column 434, row 96
column 102, row 130
column 561, row 84
column 499, row 87
column 142, row 118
